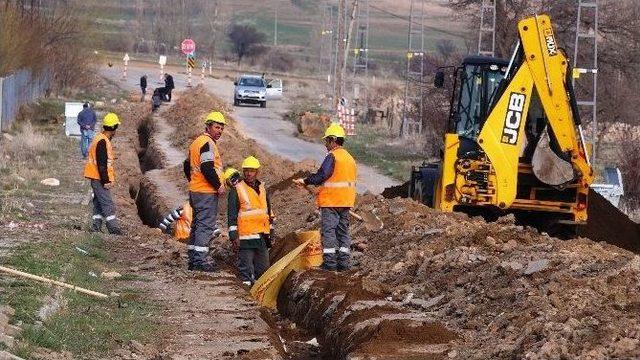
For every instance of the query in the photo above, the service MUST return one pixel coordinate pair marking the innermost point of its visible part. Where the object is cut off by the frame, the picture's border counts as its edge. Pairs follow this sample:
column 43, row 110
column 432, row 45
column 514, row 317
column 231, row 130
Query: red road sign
column 188, row 46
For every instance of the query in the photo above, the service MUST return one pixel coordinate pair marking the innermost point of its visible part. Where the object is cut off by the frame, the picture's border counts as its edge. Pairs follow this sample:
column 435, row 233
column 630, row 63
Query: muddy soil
column 503, row 290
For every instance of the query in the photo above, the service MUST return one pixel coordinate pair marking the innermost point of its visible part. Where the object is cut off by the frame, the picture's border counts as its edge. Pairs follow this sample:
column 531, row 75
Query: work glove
column 299, row 182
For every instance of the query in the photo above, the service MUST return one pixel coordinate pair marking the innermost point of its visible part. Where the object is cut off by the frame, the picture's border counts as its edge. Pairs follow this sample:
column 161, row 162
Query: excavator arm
column 542, row 69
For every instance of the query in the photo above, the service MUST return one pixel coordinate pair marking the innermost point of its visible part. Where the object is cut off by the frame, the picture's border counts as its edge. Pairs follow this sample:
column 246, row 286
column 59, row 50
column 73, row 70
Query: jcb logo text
column 552, row 48
column 513, row 118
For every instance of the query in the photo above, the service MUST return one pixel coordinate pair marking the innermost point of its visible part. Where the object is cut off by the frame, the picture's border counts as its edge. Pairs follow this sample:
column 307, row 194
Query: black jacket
column 143, row 82
column 168, row 82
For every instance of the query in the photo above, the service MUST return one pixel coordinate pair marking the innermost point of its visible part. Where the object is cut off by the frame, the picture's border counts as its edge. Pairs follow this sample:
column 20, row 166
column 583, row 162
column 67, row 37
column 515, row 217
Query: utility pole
column 275, row 28
column 587, row 13
column 337, row 85
column 327, row 49
column 344, row 43
column 414, row 76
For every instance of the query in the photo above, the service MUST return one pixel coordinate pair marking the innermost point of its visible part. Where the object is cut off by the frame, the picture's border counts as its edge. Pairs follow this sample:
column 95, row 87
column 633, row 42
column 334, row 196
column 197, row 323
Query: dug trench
column 424, row 284
column 365, row 318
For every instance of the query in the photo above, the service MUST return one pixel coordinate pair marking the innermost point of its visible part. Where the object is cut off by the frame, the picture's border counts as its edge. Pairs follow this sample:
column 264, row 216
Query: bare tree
column 246, row 40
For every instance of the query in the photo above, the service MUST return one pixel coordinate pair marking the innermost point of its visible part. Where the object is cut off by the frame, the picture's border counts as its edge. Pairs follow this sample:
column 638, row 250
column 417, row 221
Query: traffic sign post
column 126, row 62
column 204, row 66
column 191, row 63
column 188, row 46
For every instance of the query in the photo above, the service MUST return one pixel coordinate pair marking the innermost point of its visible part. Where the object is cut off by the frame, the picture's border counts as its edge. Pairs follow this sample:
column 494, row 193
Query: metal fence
column 17, row 89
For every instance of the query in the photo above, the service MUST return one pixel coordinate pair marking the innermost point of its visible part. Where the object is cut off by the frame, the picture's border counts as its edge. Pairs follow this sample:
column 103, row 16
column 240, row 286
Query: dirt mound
column 313, row 125
column 508, row 290
column 607, row 223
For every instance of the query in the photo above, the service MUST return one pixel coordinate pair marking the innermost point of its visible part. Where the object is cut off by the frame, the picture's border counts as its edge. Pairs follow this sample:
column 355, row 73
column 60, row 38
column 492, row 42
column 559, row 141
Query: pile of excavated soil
column 312, row 125
column 505, row 290
column 509, row 291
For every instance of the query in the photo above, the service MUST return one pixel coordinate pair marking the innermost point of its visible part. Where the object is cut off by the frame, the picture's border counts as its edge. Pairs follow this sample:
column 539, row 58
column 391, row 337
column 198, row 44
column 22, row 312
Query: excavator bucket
column 307, row 255
column 548, row 167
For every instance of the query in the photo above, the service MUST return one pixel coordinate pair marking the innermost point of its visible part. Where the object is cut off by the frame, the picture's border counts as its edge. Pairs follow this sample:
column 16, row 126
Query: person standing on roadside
column 203, row 169
column 336, row 179
column 87, row 122
column 168, row 86
column 143, row 86
column 250, row 222
column 100, row 171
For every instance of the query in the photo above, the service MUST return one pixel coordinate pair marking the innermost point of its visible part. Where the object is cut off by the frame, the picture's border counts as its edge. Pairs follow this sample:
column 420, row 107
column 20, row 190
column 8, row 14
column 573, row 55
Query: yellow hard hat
column 215, row 116
column 334, row 130
column 228, row 173
column 251, row 163
column 110, row 120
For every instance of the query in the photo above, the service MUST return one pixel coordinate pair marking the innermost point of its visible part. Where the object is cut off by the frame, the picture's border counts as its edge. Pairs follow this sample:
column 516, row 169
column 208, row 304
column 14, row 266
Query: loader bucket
column 307, row 255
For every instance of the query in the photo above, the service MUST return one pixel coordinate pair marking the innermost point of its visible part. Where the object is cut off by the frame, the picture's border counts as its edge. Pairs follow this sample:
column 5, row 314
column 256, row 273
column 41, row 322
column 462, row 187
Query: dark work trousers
column 252, row 263
column 335, row 238
column 103, row 208
column 203, row 225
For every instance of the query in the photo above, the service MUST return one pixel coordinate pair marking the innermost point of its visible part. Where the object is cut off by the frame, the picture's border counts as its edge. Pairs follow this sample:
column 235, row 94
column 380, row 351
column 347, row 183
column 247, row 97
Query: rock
column 113, row 101
column 398, row 266
column 433, row 232
column 452, row 354
column 12, row 330
column 624, row 347
column 513, row 265
column 98, row 104
column 536, row 266
column 111, row 275
column 397, row 210
column 425, row 304
column 136, row 347
column 50, row 182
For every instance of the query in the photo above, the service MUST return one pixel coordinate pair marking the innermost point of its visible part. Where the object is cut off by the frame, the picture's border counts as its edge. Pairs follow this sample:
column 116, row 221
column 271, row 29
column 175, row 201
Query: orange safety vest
column 91, row 167
column 339, row 190
column 198, row 182
column 182, row 229
column 253, row 218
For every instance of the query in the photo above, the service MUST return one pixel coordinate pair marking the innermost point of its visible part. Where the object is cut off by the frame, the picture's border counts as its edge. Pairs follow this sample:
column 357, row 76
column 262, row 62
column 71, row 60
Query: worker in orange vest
column 203, row 169
column 181, row 218
column 250, row 222
column 100, row 171
column 336, row 179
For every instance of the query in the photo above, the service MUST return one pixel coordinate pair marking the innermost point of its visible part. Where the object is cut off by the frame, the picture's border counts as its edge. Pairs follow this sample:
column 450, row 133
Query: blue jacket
column 87, row 119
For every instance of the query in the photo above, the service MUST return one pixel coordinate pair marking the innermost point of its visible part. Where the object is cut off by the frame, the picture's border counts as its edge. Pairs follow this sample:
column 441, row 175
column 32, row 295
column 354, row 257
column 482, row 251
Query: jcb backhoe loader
column 514, row 141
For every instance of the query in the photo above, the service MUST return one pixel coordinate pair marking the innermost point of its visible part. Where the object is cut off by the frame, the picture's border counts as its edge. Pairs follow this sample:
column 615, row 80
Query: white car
column 250, row 89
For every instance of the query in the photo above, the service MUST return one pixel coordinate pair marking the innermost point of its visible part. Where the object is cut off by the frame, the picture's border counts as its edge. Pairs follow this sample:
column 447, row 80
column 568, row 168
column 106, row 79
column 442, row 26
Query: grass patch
column 372, row 147
column 84, row 326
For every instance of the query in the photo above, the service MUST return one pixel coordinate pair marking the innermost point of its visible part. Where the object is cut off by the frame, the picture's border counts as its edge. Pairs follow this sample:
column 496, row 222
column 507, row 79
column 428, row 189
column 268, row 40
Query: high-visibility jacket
column 91, row 167
column 182, row 229
column 198, row 182
column 339, row 190
column 253, row 216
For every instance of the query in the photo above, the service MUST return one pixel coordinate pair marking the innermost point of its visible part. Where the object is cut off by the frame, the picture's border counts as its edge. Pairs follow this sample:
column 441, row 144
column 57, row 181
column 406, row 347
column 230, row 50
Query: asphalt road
column 265, row 126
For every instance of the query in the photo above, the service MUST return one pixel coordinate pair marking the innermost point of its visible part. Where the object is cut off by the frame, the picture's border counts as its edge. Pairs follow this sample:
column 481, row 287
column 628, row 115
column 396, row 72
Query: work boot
column 115, row 231
column 96, row 226
column 328, row 268
column 343, row 268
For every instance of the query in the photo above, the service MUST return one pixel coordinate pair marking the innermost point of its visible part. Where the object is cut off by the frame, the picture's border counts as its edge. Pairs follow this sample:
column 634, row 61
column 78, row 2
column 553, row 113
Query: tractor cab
column 475, row 87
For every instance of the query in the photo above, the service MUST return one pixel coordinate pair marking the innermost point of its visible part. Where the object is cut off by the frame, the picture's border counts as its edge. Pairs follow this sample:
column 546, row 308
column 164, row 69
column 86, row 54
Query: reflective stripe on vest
column 253, row 218
column 91, row 168
column 198, row 182
column 339, row 190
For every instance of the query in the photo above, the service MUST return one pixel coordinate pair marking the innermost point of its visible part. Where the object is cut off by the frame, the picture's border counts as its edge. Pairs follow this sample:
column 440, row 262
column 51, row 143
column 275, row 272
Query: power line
column 415, row 23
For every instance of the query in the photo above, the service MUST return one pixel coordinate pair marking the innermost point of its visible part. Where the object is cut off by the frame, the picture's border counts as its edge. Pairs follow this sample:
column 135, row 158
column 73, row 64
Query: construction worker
column 336, row 179
column 180, row 218
column 250, row 222
column 99, row 169
column 203, row 169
